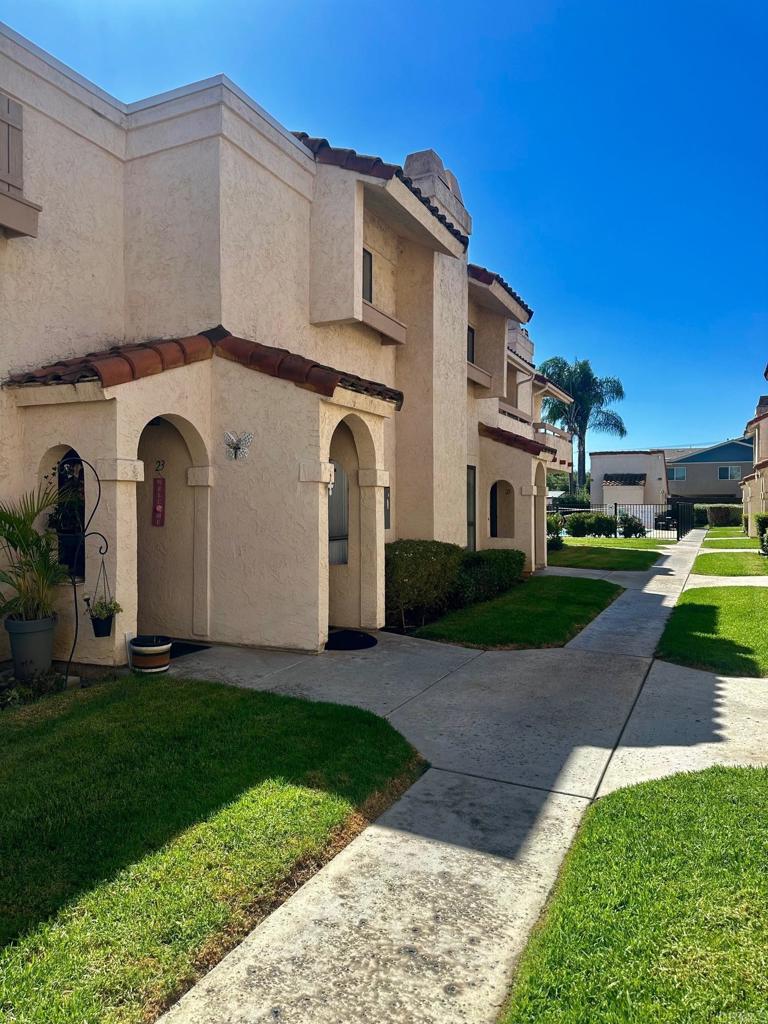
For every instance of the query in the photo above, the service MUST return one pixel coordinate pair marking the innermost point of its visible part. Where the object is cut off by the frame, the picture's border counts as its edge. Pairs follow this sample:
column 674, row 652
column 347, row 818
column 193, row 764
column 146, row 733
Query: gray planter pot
column 31, row 646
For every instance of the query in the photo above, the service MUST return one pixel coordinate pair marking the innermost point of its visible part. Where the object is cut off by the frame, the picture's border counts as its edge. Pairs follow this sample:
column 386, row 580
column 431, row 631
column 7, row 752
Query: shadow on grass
column 694, row 637
column 610, row 558
column 94, row 780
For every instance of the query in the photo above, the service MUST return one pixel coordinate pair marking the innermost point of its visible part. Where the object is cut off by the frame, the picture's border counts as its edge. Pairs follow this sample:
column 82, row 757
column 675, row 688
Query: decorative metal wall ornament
column 237, row 445
column 72, row 467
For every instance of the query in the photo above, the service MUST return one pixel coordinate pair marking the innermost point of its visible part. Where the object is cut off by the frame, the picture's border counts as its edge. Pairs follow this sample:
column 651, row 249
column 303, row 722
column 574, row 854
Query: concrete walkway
column 695, row 580
column 421, row 918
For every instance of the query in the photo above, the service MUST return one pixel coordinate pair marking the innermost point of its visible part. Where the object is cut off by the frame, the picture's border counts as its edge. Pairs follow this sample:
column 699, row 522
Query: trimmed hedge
column 572, row 501
column 717, row 515
column 419, row 578
column 590, row 524
column 761, row 523
column 425, row 577
column 486, row 574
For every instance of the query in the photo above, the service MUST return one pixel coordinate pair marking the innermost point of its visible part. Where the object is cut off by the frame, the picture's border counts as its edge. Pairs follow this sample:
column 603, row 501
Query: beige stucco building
column 628, row 478
column 388, row 383
column 754, row 486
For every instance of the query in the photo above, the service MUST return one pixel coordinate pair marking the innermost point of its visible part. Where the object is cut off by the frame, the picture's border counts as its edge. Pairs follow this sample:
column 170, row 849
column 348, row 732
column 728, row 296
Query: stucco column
column 372, row 483
column 319, row 475
column 116, row 519
column 526, row 523
column 201, row 478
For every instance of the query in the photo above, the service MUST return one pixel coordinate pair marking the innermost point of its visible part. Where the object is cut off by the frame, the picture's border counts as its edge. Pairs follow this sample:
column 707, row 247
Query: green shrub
column 555, row 524
column 578, row 524
column 420, row 578
column 761, row 523
column 602, row 525
column 486, row 574
column 724, row 515
column 631, row 526
column 700, row 515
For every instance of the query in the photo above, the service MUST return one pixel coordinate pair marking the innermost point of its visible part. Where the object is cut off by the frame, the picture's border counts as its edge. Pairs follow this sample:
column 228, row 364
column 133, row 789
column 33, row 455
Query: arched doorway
column 344, row 549
column 501, row 509
column 62, row 468
column 165, row 511
column 540, row 517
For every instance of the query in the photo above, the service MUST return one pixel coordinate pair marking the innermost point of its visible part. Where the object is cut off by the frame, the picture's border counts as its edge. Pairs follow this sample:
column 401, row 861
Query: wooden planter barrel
column 150, row 654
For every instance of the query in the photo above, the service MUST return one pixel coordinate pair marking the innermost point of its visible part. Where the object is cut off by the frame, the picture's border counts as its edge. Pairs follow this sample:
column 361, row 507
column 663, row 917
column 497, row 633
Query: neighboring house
column 711, row 474
column 388, row 384
column 628, row 478
column 754, row 484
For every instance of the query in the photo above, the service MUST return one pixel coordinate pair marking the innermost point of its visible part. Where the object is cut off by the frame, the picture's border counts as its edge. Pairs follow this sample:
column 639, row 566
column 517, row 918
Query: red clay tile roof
column 624, row 479
column 514, row 440
column 485, row 276
column 124, row 363
column 375, row 167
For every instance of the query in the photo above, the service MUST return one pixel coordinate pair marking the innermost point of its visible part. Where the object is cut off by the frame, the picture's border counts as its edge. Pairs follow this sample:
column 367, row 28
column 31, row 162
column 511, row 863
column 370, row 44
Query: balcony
column 561, row 440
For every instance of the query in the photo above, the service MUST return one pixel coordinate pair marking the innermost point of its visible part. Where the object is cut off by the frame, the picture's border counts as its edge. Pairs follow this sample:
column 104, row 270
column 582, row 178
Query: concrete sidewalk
column 421, row 918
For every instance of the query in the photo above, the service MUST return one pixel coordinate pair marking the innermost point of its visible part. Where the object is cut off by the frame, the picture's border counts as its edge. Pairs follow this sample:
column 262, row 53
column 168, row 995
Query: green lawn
column 734, row 563
column 627, row 543
column 545, row 611
column 732, row 542
column 148, row 823
column 724, row 531
column 660, row 915
column 719, row 629
column 602, row 554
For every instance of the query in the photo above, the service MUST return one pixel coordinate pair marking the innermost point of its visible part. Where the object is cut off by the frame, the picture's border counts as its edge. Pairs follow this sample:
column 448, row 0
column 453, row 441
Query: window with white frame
column 676, row 473
column 729, row 472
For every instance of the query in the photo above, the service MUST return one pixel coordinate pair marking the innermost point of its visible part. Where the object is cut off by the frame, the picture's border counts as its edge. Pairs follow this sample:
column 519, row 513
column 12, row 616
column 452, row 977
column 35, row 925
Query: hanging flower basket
column 103, row 609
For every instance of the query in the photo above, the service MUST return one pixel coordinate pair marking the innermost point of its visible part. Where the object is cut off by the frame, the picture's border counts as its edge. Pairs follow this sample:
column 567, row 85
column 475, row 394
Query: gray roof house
column 710, row 474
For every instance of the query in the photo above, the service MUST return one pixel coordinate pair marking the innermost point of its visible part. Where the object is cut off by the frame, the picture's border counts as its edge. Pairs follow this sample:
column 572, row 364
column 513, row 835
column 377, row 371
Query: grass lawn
column 545, row 611
column 627, row 543
column 718, row 628
column 731, row 542
column 734, row 563
column 148, row 823
column 661, row 911
column 724, row 531
column 602, row 555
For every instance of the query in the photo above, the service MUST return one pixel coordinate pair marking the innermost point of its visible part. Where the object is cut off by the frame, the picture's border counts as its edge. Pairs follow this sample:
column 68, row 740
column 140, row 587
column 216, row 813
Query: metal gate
column 669, row 521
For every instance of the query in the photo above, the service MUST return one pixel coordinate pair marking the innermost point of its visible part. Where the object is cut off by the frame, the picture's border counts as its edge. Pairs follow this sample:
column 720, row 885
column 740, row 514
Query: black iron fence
column 670, row 521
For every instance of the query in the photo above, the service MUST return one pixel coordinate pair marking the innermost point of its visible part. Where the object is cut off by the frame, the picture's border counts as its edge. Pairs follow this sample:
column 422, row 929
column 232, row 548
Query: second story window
column 367, row 276
column 729, row 472
column 676, row 473
column 470, row 344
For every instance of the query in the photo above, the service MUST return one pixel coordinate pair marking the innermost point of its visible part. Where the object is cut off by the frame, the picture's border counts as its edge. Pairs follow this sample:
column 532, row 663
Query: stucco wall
column 165, row 553
column 650, row 463
column 701, row 478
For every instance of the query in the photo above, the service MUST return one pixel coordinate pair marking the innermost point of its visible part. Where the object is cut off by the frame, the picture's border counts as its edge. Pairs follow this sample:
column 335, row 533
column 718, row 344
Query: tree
column 588, row 411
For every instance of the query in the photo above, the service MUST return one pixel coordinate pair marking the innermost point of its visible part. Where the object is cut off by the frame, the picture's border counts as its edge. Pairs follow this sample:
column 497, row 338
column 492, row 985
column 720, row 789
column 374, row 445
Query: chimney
column 762, row 405
column 426, row 171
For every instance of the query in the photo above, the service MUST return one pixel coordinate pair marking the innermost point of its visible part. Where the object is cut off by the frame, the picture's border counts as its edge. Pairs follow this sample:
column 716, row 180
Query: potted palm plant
column 31, row 571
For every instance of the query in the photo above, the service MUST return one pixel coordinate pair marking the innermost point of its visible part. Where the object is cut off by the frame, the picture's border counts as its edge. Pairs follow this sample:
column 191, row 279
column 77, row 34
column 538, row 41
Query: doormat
column 350, row 640
column 181, row 647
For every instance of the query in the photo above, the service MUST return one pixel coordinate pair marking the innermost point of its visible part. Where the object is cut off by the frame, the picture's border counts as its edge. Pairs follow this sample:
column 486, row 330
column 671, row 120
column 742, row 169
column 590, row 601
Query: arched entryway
column 501, row 509
column 62, row 468
column 344, row 549
column 355, row 528
column 540, row 517
column 168, row 529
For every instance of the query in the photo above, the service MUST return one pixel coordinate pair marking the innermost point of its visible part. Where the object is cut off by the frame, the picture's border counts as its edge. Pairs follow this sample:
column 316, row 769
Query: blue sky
column 612, row 153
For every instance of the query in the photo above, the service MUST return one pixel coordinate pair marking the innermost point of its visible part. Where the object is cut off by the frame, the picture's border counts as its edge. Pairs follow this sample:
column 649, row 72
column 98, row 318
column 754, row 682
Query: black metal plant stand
column 82, row 536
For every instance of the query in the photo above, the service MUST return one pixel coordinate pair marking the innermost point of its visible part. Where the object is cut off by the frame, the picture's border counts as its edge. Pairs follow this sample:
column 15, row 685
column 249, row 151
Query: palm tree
column 590, row 395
